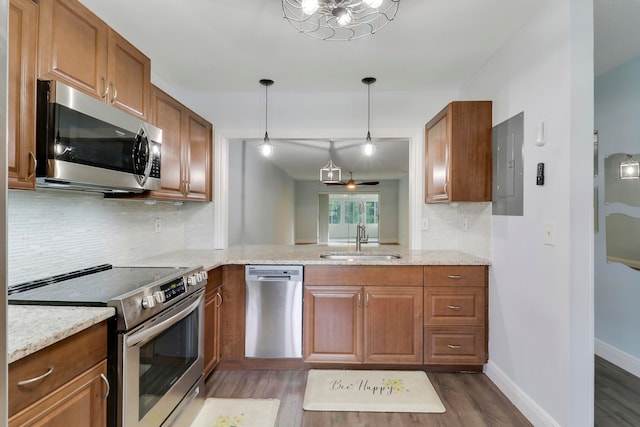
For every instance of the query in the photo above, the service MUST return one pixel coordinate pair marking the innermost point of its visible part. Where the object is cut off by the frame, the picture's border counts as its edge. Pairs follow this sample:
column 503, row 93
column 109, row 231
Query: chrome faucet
column 361, row 230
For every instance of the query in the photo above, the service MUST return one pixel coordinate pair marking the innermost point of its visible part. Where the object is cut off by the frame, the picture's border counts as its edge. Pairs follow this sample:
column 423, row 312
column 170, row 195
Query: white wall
column 617, row 287
column 261, row 198
column 540, row 299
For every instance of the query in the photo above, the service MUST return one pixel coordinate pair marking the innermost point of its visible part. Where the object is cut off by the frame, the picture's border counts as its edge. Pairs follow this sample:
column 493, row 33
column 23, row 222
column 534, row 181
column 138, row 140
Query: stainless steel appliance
column 156, row 349
column 273, row 311
column 85, row 144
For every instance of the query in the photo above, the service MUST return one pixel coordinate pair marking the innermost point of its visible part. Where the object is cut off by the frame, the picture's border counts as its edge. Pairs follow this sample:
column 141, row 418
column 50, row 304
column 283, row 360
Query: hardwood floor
column 471, row 400
column 617, row 396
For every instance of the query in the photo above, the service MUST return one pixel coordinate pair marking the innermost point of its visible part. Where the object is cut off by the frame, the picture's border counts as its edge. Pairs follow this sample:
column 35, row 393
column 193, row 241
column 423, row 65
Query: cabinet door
column 393, row 325
column 167, row 115
column 198, row 158
column 129, row 76
column 212, row 320
column 437, row 158
column 80, row 402
column 73, row 46
column 333, row 324
column 23, row 27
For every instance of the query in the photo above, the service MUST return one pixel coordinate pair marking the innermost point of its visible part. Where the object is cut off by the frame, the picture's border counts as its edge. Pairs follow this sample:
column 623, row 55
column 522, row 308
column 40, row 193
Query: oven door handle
column 152, row 331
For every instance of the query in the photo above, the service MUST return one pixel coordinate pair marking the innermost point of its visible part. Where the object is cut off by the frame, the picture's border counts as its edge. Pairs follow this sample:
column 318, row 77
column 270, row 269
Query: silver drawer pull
column 454, row 276
column 454, row 347
column 36, row 379
column 454, row 307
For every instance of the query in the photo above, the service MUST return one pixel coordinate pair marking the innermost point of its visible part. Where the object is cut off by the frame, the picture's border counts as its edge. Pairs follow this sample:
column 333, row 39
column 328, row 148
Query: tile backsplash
column 52, row 232
column 462, row 227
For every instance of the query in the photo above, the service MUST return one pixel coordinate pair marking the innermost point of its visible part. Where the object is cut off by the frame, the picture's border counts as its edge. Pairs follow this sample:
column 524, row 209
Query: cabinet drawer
column 455, row 275
column 65, row 359
column 460, row 306
column 373, row 275
column 454, row 346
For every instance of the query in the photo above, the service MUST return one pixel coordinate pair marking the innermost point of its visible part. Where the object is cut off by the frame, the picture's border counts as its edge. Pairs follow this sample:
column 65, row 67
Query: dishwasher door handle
column 283, row 278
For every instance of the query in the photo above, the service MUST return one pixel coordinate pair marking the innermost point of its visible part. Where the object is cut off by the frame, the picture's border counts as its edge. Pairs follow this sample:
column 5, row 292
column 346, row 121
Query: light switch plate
column 549, row 234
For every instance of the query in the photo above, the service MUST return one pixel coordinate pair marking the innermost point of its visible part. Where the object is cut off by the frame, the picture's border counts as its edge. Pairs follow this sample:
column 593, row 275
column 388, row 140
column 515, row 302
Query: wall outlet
column 157, row 225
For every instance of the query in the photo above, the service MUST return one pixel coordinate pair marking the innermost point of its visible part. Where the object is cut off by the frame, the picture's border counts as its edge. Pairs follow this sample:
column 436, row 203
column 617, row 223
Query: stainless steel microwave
column 85, row 144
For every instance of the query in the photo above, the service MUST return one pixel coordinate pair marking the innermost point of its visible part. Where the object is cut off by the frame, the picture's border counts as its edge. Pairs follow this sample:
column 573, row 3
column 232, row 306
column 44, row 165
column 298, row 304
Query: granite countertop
column 31, row 327
column 34, row 327
column 308, row 255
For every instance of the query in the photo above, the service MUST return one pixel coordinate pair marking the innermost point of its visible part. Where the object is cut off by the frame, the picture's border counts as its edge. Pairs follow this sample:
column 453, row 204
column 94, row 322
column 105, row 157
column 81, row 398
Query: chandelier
column 339, row 19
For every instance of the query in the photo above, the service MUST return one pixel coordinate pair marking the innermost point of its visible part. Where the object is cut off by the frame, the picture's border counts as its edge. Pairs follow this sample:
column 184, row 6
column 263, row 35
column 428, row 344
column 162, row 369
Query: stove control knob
column 159, row 297
column 148, row 301
column 199, row 276
column 191, row 280
column 205, row 275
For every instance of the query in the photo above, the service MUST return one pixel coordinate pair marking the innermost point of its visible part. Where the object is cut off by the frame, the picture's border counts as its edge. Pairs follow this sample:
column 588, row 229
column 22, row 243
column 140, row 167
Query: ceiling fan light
column 351, row 184
column 373, row 3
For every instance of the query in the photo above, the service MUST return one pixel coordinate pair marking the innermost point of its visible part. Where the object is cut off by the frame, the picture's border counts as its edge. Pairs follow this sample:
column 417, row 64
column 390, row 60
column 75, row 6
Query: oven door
column 162, row 360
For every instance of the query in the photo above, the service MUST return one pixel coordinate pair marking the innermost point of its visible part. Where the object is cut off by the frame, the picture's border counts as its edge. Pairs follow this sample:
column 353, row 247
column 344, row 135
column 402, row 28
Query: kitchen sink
column 358, row 255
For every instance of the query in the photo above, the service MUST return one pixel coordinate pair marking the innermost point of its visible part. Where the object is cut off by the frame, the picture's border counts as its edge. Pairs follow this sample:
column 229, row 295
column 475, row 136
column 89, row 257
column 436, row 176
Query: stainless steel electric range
column 155, row 341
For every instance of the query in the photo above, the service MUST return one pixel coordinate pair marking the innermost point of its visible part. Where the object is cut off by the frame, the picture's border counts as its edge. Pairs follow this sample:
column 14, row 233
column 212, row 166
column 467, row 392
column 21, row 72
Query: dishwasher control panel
column 273, row 272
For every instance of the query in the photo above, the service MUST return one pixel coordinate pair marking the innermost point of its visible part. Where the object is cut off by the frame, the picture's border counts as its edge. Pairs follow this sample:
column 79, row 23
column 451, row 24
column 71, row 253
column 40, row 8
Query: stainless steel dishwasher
column 273, row 311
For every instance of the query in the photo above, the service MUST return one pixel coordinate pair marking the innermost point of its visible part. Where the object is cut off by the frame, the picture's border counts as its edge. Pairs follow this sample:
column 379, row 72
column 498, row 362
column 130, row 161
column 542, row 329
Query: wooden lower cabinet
column 80, row 402
column 349, row 323
column 333, row 324
column 212, row 321
column 455, row 315
column 64, row 384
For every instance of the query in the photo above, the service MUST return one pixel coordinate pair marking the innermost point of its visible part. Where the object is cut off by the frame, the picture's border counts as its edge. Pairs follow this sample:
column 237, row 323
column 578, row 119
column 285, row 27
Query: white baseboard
column 529, row 408
column 618, row 357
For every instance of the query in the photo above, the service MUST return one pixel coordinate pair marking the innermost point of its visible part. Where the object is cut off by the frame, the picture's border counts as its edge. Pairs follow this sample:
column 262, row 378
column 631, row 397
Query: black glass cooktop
column 90, row 287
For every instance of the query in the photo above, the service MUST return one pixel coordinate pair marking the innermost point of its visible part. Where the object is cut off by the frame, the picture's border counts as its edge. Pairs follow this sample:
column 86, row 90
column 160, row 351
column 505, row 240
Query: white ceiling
column 222, row 47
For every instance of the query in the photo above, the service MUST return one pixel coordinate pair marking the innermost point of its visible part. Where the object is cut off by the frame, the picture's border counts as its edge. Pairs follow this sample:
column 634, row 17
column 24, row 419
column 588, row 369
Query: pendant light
column 266, row 148
column 368, row 148
column 331, row 173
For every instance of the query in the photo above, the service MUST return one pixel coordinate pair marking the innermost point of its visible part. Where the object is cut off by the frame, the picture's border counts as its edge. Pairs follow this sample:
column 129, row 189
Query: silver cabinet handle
column 35, row 164
column 366, row 303
column 219, row 298
column 358, row 300
column 454, row 347
column 454, row 276
column 115, row 92
column 36, row 379
column 106, row 382
column 106, row 88
column 454, row 307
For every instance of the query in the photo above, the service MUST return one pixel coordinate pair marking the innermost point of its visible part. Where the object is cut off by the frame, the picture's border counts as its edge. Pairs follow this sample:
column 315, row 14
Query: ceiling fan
column 351, row 183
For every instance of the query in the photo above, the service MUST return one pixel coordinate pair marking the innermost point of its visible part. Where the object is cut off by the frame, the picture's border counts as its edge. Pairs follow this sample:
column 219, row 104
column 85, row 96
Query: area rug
column 237, row 413
column 370, row 391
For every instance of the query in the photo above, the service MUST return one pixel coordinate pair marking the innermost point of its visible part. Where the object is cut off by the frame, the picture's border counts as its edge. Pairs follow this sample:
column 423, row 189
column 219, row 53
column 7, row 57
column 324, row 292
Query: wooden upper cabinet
column 23, row 39
column 79, row 49
column 186, row 150
column 458, row 153
column 129, row 72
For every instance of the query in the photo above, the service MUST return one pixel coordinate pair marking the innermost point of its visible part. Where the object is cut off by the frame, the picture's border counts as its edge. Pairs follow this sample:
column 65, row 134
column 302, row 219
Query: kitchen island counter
column 309, row 255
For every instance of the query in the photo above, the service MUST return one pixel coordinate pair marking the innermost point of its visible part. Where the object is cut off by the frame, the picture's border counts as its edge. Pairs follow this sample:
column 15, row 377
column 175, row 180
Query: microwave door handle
column 145, row 334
